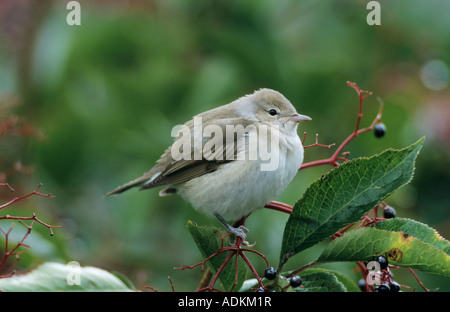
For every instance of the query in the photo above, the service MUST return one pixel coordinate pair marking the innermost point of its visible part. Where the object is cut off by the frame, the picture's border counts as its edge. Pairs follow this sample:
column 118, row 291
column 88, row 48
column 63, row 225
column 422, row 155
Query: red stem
column 236, row 250
column 333, row 160
column 15, row 199
column 33, row 219
column 8, row 186
column 418, row 280
column 279, row 207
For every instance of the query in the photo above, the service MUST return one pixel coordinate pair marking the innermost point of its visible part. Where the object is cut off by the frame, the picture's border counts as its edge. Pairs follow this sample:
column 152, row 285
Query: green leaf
column 52, row 276
column 344, row 195
column 347, row 283
column 402, row 250
column 320, row 282
column 209, row 241
column 416, row 229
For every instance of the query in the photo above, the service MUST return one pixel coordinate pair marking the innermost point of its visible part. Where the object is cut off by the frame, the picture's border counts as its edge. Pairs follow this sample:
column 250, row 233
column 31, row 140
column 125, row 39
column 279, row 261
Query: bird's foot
column 240, row 232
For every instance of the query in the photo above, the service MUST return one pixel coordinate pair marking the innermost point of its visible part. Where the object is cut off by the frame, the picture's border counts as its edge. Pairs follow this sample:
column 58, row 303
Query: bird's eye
column 272, row 112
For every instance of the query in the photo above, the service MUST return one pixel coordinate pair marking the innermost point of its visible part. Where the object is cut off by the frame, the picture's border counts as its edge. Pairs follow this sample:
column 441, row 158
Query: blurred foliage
column 106, row 95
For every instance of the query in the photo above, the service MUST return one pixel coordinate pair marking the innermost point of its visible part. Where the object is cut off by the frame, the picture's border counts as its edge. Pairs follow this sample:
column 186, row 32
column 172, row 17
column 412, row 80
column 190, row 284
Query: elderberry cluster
column 386, row 278
column 271, row 273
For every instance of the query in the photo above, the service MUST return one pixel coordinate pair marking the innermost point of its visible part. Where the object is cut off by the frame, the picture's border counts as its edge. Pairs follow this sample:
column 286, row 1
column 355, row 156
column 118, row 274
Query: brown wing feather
column 173, row 172
column 190, row 170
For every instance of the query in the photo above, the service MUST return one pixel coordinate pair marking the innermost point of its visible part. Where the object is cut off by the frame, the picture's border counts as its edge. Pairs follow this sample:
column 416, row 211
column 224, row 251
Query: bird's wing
column 212, row 156
column 186, row 170
column 168, row 171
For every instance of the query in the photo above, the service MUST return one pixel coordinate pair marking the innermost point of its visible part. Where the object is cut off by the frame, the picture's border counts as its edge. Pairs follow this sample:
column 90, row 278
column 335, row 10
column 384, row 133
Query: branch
column 14, row 250
column 8, row 186
column 279, row 207
column 33, row 219
column 15, row 199
column 338, row 155
column 317, row 142
column 418, row 280
column 235, row 251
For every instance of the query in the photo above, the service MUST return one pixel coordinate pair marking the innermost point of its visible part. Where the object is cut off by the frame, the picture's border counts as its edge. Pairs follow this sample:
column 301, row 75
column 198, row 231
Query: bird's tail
column 139, row 181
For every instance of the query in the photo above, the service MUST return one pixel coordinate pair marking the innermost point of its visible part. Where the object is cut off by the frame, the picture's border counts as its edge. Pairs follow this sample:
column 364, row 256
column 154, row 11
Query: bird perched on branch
column 231, row 160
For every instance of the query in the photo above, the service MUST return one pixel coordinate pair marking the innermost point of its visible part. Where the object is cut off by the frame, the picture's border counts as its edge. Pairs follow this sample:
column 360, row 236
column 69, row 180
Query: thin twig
column 35, row 192
column 206, row 278
column 316, row 143
column 8, row 186
column 418, row 280
column 209, row 280
column 14, row 250
column 302, row 268
column 335, row 157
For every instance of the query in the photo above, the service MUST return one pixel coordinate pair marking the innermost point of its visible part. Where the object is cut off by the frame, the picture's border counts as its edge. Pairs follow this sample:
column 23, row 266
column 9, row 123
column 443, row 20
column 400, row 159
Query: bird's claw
column 240, row 232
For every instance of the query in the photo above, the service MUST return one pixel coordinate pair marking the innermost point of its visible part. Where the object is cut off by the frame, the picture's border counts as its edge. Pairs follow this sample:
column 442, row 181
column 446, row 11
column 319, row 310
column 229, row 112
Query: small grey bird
column 224, row 174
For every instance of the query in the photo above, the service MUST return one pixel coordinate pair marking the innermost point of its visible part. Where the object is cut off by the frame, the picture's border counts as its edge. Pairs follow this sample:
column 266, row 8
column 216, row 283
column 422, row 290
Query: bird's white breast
column 240, row 187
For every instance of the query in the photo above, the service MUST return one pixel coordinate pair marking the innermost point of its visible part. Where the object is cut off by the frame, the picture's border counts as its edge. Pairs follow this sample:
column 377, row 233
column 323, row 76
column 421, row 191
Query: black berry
column 295, row 281
column 389, row 212
column 261, row 289
column 362, row 284
column 383, row 262
column 395, row 287
column 379, row 130
column 382, row 288
column 270, row 273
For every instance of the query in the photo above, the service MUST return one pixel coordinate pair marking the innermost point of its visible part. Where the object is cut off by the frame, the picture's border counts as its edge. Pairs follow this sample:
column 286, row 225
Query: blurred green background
column 106, row 94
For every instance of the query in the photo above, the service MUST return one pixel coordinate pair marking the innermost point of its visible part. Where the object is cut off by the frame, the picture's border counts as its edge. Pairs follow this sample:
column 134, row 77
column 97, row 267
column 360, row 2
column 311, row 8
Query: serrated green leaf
column 209, row 241
column 52, row 276
column 416, row 229
column 402, row 250
column 348, row 284
column 320, row 282
column 344, row 195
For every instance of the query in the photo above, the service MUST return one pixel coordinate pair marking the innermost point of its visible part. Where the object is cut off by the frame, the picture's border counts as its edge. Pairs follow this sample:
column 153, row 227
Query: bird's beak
column 298, row 118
